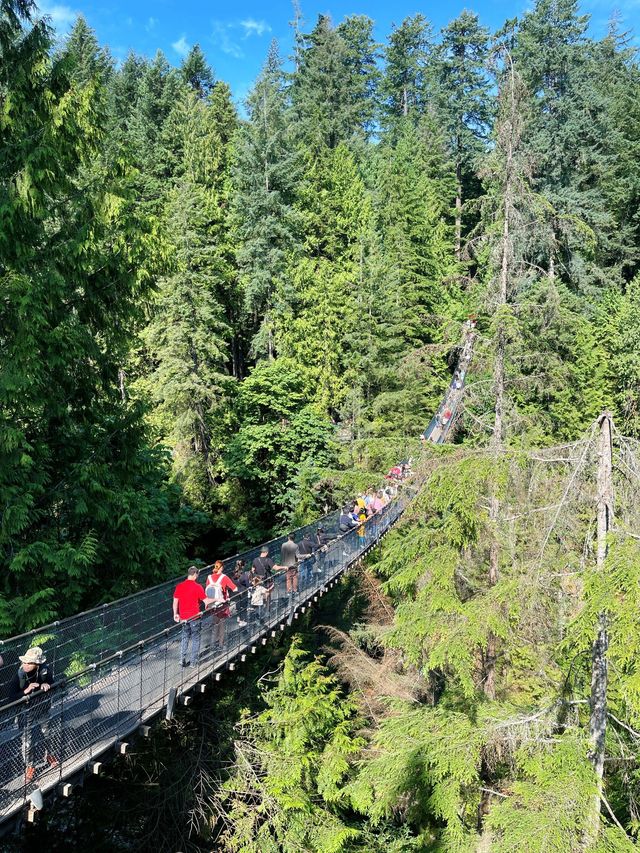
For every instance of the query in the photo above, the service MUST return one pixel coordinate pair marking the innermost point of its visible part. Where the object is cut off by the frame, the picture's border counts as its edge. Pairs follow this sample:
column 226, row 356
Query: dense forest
column 216, row 322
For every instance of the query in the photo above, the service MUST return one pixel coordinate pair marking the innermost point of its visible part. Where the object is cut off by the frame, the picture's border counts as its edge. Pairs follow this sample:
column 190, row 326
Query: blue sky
column 235, row 36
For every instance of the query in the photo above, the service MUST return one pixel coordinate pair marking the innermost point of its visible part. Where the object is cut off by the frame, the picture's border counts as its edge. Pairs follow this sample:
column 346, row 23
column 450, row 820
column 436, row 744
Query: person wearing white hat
column 33, row 677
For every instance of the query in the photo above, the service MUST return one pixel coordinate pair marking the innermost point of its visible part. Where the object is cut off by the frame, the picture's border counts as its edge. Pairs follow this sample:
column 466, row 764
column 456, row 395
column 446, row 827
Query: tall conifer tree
column 267, row 166
column 405, row 84
column 85, row 510
column 464, row 104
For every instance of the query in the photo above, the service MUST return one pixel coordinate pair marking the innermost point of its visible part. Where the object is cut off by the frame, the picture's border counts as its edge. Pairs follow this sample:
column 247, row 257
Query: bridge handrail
column 93, row 709
column 233, row 598
column 162, row 584
column 72, row 631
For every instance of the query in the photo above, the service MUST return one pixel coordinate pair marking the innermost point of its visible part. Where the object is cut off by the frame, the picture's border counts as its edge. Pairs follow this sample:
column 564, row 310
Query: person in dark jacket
column 347, row 522
column 263, row 566
column 305, row 547
column 242, row 580
column 33, row 679
column 304, row 555
column 289, row 556
column 322, row 538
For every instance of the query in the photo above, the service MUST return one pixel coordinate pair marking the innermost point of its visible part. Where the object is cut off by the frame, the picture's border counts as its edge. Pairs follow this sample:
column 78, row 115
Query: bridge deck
column 104, row 704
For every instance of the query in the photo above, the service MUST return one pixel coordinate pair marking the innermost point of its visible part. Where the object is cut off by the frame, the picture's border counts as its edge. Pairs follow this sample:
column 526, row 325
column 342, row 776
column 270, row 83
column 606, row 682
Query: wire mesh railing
column 47, row 737
column 75, row 643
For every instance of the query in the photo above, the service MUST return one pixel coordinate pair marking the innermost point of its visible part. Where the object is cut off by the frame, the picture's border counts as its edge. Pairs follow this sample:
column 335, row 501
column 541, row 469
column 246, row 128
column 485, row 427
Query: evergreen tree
column 617, row 328
column 414, row 278
column 88, row 62
column 213, row 161
column 569, row 137
column 413, row 199
column 318, row 319
column 123, row 93
column 188, row 355
column 196, row 72
column 187, row 343
column 154, row 150
column 613, row 71
column 265, row 172
column 360, row 69
column 405, row 85
column 86, row 510
column 463, row 103
column 331, row 89
column 280, row 434
column 306, row 741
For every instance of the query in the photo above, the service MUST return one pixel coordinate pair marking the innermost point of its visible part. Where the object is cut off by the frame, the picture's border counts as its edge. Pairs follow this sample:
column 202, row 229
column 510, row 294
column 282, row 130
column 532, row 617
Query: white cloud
column 62, row 17
column 254, row 28
column 222, row 39
column 151, row 24
column 181, row 47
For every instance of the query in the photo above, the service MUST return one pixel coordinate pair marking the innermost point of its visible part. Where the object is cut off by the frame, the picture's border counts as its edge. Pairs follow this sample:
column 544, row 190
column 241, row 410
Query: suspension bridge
column 118, row 666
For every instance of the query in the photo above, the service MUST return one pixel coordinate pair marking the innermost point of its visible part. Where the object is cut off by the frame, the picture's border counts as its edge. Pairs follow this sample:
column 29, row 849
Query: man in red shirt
column 186, row 610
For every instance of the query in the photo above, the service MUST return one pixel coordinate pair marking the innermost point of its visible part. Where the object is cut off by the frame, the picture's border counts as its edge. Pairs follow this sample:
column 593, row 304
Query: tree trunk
column 458, row 224
column 121, row 384
column 489, row 682
column 599, row 666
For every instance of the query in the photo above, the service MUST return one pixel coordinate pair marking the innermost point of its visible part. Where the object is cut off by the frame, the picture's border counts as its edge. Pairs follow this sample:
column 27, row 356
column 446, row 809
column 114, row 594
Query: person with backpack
column 34, row 679
column 263, row 566
column 219, row 588
column 242, row 580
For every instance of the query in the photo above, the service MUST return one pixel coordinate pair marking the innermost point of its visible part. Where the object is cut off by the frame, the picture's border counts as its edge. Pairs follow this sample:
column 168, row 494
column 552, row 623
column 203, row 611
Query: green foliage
column 613, row 591
column 76, row 467
column 405, row 82
column 281, row 436
column 332, row 89
column 425, row 759
column 618, row 321
column 318, row 324
column 196, row 72
column 292, row 763
column 257, row 317
column 437, row 625
column 547, row 806
column 265, row 172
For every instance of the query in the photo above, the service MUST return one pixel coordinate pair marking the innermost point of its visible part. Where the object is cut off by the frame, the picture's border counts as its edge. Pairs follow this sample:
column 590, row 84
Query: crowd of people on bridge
column 244, row 593
column 247, row 591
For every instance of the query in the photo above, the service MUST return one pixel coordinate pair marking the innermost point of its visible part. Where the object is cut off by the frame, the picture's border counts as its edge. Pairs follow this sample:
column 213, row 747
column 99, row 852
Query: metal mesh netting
column 73, row 644
column 441, row 424
column 57, row 733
